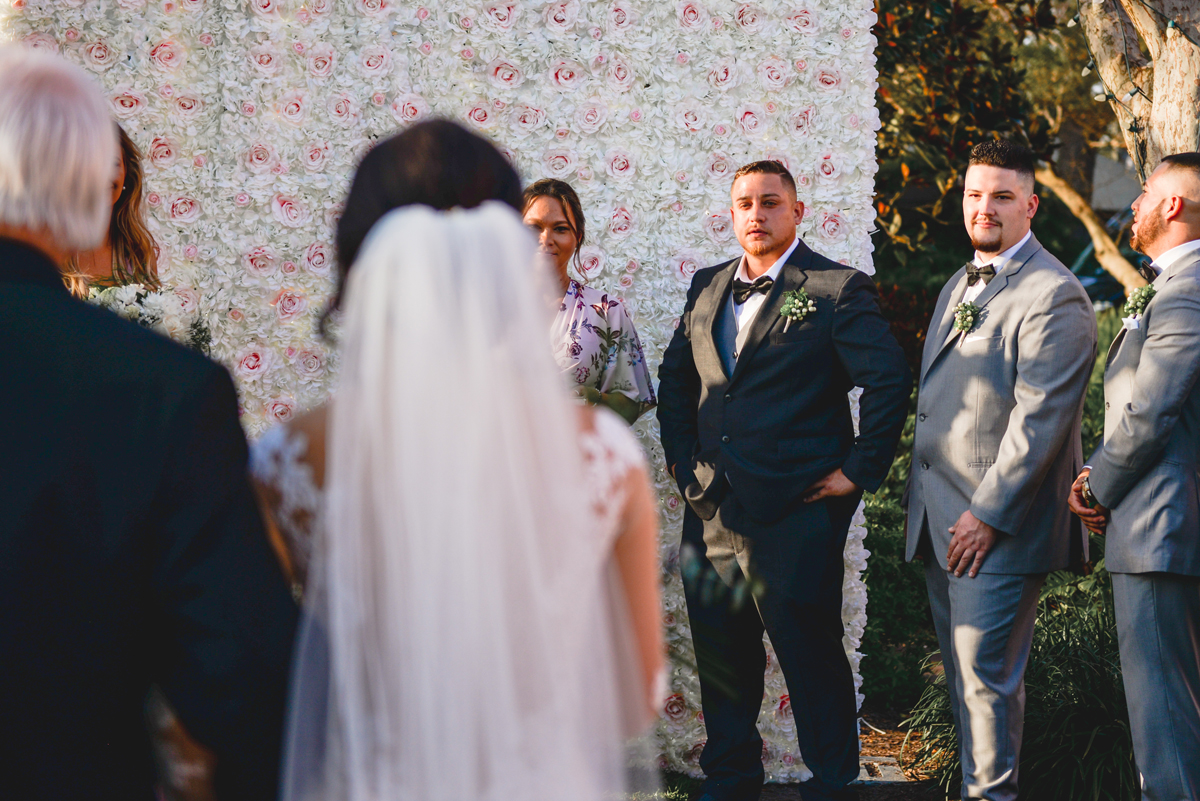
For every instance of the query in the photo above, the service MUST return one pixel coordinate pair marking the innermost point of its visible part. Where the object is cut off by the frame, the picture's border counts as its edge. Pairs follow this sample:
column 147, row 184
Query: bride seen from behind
column 482, row 617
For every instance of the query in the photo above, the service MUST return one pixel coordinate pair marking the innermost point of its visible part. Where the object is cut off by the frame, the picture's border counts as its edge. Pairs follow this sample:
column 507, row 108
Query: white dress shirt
column 1173, row 255
column 974, row 291
column 746, row 312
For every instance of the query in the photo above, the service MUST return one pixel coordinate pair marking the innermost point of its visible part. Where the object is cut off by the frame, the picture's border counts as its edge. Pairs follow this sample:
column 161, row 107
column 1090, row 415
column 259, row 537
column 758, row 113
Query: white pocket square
column 975, row 338
column 1130, row 323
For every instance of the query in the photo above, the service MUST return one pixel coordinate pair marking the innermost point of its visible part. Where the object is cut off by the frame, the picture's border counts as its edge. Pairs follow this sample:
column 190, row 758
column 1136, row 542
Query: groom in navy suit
column 757, row 431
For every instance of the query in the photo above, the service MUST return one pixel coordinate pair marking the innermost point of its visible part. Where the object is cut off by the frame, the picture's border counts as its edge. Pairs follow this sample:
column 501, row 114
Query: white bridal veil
column 450, row 647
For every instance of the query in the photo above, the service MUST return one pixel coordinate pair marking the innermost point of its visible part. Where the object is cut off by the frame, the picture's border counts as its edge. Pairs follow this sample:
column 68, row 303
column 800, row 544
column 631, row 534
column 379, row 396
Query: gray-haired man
column 1144, row 487
column 1003, row 376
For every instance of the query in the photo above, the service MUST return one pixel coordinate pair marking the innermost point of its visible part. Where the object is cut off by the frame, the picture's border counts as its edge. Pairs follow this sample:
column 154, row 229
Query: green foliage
column 1109, row 323
column 899, row 630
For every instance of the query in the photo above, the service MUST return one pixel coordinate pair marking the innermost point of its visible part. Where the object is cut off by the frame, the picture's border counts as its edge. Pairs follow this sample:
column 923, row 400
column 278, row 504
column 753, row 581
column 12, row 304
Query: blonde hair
column 57, row 143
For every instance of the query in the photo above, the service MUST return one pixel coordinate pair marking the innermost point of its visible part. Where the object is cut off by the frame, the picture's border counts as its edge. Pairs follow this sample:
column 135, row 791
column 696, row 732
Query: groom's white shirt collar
column 975, row 291
column 1175, row 254
column 743, row 315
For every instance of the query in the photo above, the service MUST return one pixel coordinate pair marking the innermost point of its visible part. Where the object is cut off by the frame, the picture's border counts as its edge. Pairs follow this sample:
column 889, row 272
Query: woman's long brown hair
column 135, row 253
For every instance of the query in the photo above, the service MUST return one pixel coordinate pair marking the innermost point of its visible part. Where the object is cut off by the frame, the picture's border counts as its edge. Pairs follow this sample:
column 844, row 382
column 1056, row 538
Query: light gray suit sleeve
column 1167, row 370
column 1056, row 348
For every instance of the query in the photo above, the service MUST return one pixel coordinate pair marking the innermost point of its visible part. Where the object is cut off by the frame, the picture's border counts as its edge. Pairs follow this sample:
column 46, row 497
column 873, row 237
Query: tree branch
column 1150, row 26
column 1112, row 40
column 1107, row 253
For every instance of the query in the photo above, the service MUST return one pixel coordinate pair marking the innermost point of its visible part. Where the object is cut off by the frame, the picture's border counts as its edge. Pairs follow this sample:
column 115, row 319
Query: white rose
column 590, row 116
column 503, row 74
column 409, row 108
column 562, row 16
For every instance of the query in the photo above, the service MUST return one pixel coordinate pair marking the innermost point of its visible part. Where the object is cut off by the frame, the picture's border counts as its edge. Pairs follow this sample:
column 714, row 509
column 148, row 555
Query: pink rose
column 635, row 115
column 264, row 59
column 189, row 299
column 675, row 709
column 619, row 76
column 784, row 708
column 99, row 56
column 343, row 110
column 585, row 172
column 237, row 315
column 595, row 32
column 298, row 47
column 625, row 281
column 801, row 65
column 690, row 116
column 620, row 16
column 590, row 116
column 559, row 162
column 772, row 107
column 467, row 53
column 801, row 121
column 802, row 21
column 566, row 75
column 309, row 363
column 847, row 33
column 561, row 16
column 191, row 252
column 503, row 74
column 288, row 211
column 162, row 152
column 206, row 39
column 631, row 266
column 317, row 259
column 184, row 210
column 591, row 261
column 71, row 35
column 500, row 15
column 260, row 262
column 248, row 108
column 692, row 757
column 281, row 409
column 781, row 158
column 422, row 13
column 168, row 55
column 321, row 7
column 378, row 99
column 264, row 8
column 313, row 156
column 126, row 102
column 750, row 118
column 828, row 79
column 188, row 106
column 723, row 75
column 719, row 227
column 828, row 168
column 621, row 223
column 289, row 304
column 788, row 758
column 465, row 23
column 241, row 199
column 561, row 134
column 153, row 199
column 40, row 41
column 682, row 58
column 293, row 107
column 681, row 176
column 684, row 264
column 528, row 118
column 260, row 158
column 373, row 8
column 750, row 18
column 409, row 108
column 773, row 73
column 426, row 48
column 200, row 161
column 375, row 61
column 720, row 166
column 167, row 91
column 691, row 15
column 619, row 164
column 322, row 58
column 480, row 115
column 720, row 130
column 831, row 226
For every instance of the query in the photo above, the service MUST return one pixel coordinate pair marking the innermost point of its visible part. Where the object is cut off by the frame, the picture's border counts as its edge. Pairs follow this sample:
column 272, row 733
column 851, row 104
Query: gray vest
column 728, row 339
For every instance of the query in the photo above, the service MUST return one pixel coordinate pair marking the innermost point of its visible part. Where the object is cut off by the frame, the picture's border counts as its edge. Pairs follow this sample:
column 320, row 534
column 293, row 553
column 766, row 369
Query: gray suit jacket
column 998, row 414
column 1146, row 468
column 780, row 419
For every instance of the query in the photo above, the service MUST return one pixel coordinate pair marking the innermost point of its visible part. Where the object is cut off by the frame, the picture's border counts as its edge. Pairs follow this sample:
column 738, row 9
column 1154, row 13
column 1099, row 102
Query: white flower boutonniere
column 965, row 316
column 796, row 306
column 1135, row 307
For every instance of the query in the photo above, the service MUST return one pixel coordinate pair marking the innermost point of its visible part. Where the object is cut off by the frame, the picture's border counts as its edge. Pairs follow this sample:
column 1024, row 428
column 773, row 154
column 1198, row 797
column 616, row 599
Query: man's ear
column 1175, row 208
column 798, row 211
column 1034, row 201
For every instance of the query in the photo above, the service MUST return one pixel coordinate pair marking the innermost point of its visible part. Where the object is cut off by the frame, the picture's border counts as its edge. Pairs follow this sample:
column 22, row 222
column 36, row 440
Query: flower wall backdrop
column 253, row 113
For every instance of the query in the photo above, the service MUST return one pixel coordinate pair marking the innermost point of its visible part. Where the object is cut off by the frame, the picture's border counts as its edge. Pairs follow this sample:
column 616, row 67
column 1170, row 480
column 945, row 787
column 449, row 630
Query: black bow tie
column 742, row 290
column 987, row 272
column 1148, row 271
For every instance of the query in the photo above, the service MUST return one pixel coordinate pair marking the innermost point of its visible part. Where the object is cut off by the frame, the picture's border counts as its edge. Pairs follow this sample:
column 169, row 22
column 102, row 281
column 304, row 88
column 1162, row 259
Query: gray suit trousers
column 1158, row 627
column 985, row 629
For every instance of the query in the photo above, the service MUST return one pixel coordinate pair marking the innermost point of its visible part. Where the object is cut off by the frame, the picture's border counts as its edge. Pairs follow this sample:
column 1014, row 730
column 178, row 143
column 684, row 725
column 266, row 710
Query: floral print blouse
column 596, row 345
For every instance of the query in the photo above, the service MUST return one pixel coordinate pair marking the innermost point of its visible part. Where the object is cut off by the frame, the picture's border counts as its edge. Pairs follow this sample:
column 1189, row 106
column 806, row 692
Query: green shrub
column 899, row 630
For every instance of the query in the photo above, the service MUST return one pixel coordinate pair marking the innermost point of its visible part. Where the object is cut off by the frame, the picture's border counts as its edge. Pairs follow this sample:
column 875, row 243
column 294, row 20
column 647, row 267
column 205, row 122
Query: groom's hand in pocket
column 834, row 485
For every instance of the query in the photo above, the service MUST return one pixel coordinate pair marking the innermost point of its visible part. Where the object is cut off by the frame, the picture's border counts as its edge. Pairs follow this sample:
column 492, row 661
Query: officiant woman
column 593, row 337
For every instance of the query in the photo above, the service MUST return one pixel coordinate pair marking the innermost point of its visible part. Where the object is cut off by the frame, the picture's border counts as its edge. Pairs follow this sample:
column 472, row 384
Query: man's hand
column 971, row 542
column 834, row 485
column 1094, row 518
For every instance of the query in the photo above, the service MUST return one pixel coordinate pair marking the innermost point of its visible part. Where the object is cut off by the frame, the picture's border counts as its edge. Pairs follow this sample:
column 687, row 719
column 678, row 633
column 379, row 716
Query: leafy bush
column 899, row 629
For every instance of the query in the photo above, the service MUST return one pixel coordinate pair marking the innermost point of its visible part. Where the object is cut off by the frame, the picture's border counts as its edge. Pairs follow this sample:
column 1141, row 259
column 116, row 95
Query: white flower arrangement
column 253, row 116
column 175, row 314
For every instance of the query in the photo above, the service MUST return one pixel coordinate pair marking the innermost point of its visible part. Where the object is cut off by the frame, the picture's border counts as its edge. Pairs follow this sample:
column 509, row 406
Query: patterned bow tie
column 742, row 290
column 987, row 272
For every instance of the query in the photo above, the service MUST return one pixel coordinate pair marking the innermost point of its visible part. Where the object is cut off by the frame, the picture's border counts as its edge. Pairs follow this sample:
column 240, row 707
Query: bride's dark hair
column 436, row 163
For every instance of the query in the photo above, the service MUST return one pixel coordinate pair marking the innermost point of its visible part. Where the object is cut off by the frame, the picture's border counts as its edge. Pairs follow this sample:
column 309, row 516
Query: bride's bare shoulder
column 585, row 419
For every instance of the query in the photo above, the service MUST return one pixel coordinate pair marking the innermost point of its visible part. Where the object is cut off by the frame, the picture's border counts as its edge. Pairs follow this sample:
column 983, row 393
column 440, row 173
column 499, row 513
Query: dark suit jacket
column 131, row 553
column 782, row 420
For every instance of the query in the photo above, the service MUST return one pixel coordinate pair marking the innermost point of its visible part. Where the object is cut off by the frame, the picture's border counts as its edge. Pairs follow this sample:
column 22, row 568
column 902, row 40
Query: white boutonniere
column 796, row 306
column 965, row 316
column 1135, row 307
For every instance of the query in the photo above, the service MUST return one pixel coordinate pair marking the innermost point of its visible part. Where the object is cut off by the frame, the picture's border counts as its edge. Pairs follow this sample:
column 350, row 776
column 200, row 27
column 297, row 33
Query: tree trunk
column 1107, row 254
column 1163, row 114
column 1075, row 159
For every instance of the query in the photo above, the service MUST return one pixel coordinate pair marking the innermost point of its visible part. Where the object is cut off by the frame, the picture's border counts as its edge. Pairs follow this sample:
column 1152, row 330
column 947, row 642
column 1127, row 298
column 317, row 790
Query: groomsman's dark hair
column 767, row 167
column 436, row 163
column 1005, row 155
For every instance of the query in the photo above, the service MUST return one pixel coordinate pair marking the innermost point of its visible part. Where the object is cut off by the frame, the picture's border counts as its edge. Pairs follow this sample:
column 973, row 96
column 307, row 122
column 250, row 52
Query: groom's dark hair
column 1005, row 155
column 436, row 163
column 767, row 167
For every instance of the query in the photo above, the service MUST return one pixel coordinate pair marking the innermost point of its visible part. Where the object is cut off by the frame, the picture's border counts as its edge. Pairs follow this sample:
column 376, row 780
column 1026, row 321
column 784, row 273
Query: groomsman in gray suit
column 1144, row 487
column 997, row 445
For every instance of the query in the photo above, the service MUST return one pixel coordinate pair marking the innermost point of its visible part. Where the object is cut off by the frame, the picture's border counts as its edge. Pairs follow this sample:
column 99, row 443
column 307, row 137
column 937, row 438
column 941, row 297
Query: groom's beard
column 1150, row 228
